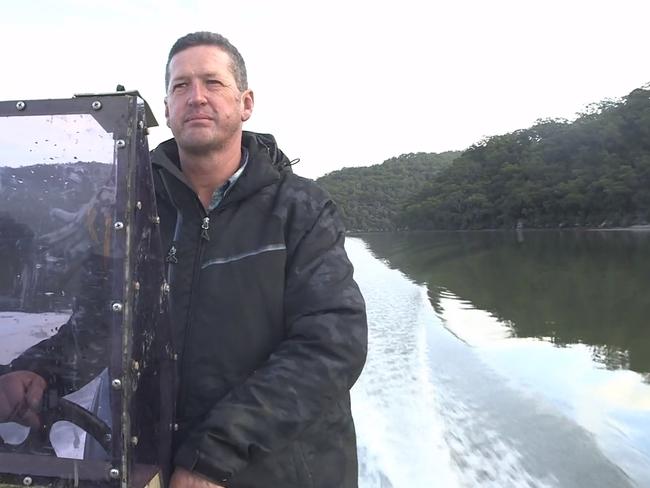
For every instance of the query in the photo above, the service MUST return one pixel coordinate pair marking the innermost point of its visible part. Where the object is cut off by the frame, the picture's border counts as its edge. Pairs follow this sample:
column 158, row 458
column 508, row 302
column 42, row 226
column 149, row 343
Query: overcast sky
column 345, row 83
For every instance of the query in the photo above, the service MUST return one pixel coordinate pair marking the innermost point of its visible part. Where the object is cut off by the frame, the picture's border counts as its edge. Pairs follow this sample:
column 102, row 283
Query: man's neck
column 208, row 172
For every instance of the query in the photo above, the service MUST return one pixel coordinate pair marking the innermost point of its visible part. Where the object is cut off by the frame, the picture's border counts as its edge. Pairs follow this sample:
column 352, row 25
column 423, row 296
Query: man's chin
column 198, row 146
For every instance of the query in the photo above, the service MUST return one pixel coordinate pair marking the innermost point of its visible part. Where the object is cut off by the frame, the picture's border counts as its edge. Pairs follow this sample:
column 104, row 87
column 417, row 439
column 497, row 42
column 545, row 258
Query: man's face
column 204, row 108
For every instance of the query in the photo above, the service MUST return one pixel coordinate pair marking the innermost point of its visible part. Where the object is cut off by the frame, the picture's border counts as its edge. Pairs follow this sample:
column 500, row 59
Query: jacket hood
column 266, row 141
column 166, row 153
column 265, row 163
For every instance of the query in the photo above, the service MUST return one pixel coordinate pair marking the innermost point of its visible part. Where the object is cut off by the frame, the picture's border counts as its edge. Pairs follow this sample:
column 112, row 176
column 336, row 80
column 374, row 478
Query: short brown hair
column 204, row 38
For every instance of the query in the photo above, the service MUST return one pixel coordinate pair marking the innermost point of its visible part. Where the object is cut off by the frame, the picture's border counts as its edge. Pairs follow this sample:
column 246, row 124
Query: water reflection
column 561, row 286
column 560, row 317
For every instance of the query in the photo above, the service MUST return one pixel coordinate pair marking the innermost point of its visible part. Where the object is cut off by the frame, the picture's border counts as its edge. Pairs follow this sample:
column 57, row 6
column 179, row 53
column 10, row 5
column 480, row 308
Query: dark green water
column 567, row 287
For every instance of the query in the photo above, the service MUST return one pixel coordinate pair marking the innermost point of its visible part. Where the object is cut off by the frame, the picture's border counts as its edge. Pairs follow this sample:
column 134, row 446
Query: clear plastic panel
column 57, row 205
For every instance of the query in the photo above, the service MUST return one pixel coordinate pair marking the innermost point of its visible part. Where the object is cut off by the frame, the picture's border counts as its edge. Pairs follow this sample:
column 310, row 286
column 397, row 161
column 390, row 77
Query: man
column 270, row 328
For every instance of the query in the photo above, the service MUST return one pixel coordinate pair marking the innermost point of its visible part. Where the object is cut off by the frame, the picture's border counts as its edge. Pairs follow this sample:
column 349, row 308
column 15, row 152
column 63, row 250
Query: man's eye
column 213, row 82
column 178, row 86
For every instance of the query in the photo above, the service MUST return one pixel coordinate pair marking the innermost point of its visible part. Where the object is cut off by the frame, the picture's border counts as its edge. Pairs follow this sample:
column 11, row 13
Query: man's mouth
column 192, row 118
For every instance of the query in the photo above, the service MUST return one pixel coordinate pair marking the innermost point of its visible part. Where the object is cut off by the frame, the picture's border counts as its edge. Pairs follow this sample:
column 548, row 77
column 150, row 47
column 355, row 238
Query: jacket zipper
column 171, row 253
column 204, row 237
column 205, row 225
column 171, row 257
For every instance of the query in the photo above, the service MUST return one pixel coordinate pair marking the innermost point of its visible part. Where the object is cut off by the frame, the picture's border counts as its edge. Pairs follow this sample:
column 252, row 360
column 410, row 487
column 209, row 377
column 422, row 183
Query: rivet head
column 134, row 440
column 117, row 307
column 96, row 105
column 155, row 219
column 114, row 473
column 120, row 143
column 165, row 288
column 175, row 427
column 118, row 225
column 21, row 106
column 136, row 285
column 27, row 481
column 116, row 384
column 135, row 366
column 141, row 124
column 108, row 437
column 138, row 205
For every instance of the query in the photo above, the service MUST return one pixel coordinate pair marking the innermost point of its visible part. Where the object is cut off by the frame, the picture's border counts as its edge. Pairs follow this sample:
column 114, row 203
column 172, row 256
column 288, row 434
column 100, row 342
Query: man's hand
column 182, row 478
column 21, row 394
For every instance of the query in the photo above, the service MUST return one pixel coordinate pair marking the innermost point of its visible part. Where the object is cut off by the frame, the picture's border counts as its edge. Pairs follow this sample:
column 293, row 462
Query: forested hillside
column 593, row 171
column 371, row 198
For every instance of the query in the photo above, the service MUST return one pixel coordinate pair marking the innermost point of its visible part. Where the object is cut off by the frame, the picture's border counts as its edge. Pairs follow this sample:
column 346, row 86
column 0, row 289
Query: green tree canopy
column 593, row 171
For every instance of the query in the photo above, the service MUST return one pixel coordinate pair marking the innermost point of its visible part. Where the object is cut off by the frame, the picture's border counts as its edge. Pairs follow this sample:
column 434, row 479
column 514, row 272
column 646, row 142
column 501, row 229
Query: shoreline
column 631, row 228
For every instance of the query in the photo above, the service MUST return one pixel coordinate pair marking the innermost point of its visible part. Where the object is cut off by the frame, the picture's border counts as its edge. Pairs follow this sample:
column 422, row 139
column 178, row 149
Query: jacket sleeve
column 316, row 365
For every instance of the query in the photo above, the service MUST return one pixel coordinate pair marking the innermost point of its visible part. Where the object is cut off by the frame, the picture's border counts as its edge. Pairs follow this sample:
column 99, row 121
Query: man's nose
column 197, row 93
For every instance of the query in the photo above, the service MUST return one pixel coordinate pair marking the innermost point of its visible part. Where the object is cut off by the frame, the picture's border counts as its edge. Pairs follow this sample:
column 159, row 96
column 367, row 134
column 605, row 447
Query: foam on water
column 413, row 430
column 435, row 408
column 401, row 443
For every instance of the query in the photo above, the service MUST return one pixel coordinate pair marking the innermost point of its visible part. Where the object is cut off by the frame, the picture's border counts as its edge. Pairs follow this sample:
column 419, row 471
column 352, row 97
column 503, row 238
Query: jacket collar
column 265, row 164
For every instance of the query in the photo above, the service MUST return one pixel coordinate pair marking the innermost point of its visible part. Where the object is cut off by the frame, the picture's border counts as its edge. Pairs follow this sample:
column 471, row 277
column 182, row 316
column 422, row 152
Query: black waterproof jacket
column 270, row 327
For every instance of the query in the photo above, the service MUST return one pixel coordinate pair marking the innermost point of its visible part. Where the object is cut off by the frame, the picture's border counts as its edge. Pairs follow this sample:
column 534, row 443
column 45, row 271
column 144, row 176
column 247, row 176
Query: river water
column 503, row 359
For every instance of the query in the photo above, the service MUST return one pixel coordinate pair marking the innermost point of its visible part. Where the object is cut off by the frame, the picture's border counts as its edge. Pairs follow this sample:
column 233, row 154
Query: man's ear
column 247, row 103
